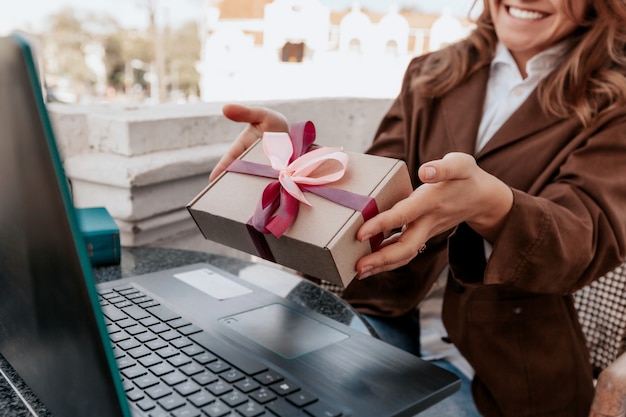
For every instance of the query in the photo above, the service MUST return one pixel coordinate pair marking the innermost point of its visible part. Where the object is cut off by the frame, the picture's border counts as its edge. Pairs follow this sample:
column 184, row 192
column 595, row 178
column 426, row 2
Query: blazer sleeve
column 572, row 231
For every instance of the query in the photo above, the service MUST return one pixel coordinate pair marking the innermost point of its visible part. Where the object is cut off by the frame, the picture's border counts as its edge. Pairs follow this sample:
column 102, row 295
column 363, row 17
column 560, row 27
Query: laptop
column 192, row 341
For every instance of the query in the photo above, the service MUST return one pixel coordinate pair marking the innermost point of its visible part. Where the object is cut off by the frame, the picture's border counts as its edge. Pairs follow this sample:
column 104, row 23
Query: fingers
column 401, row 214
column 236, row 149
column 453, row 166
column 395, row 252
column 259, row 119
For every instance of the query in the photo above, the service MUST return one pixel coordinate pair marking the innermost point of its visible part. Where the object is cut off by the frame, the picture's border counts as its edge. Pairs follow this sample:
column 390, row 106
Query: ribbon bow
column 295, row 165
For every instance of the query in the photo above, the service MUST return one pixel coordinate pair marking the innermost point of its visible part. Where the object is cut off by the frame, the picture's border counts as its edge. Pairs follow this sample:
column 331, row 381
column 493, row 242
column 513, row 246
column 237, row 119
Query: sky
column 30, row 14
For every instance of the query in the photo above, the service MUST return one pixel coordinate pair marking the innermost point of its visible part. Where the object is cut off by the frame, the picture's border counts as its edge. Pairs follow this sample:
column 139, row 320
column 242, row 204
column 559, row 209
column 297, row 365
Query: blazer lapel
column 525, row 121
column 462, row 110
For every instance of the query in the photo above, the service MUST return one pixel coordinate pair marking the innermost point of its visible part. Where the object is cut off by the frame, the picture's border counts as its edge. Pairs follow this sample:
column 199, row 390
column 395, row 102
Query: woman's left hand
column 455, row 190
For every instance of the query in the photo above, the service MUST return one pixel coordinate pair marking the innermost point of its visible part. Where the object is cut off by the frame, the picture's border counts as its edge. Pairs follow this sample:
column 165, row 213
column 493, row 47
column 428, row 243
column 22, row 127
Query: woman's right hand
column 259, row 119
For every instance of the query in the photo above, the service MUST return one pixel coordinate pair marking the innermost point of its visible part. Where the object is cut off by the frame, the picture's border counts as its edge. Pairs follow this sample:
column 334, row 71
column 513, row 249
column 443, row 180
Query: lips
column 525, row 14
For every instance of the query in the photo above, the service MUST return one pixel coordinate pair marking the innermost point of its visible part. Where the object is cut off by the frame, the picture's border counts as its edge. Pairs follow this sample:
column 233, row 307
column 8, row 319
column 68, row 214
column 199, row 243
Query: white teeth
column 525, row 14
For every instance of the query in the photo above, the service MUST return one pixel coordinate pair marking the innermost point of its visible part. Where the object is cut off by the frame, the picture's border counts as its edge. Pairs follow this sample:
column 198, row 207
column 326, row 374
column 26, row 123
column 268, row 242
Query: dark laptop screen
column 49, row 331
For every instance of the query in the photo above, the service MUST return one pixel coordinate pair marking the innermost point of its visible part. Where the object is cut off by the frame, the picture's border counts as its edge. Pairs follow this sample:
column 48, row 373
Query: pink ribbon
column 295, row 161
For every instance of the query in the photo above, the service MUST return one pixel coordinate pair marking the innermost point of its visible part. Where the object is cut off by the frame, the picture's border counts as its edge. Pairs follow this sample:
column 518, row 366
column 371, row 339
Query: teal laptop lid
column 50, row 331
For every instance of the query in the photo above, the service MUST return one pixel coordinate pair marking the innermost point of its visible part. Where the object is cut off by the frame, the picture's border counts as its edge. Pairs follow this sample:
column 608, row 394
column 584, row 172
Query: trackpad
column 282, row 330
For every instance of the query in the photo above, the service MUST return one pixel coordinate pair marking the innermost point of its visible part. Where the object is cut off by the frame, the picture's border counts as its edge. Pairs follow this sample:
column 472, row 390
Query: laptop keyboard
column 171, row 367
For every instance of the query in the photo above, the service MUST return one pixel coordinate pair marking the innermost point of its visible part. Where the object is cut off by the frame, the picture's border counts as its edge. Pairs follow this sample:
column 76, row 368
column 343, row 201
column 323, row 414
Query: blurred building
column 259, row 48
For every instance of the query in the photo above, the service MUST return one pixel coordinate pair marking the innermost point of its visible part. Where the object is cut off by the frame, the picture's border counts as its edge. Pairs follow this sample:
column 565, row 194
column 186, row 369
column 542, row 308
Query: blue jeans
column 404, row 333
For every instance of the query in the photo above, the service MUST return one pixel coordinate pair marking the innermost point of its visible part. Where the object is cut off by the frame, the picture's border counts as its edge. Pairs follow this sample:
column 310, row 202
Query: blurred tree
column 128, row 54
column 183, row 51
column 64, row 56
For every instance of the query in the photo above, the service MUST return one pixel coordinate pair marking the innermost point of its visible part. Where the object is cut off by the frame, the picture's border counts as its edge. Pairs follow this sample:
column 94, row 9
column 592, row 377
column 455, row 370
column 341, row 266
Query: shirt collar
column 544, row 62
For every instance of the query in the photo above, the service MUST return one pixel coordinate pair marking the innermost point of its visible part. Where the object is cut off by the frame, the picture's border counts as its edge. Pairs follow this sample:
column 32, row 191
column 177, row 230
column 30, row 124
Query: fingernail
column 366, row 237
column 430, row 173
column 365, row 272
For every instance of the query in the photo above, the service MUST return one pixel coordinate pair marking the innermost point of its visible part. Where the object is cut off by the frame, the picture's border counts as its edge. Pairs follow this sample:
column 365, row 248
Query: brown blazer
column 513, row 316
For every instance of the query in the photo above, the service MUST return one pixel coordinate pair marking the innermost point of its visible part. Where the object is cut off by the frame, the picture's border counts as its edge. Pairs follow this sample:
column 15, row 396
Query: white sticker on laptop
column 213, row 284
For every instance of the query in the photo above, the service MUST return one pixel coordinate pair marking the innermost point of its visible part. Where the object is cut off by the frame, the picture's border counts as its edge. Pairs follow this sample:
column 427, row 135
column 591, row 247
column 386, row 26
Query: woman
column 516, row 142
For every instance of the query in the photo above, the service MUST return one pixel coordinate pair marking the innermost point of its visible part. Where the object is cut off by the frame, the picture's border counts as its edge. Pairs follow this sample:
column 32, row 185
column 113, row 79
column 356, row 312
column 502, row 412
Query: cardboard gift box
column 101, row 234
column 321, row 241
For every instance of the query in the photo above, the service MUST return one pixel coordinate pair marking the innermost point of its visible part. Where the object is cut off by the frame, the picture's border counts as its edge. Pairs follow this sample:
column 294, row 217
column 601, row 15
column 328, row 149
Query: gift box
column 101, row 234
column 321, row 240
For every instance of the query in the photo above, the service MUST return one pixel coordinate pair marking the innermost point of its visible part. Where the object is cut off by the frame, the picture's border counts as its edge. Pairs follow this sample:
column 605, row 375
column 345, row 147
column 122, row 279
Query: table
column 137, row 261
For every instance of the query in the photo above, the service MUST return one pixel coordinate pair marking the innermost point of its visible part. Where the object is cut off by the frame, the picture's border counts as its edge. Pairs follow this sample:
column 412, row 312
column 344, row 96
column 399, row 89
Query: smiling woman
column 529, row 28
column 515, row 138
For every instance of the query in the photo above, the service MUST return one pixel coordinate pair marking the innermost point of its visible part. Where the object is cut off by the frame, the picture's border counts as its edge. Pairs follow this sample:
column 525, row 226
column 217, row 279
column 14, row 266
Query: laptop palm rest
column 283, row 330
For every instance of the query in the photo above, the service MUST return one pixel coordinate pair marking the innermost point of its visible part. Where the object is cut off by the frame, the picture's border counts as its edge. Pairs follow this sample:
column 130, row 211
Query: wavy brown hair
column 589, row 82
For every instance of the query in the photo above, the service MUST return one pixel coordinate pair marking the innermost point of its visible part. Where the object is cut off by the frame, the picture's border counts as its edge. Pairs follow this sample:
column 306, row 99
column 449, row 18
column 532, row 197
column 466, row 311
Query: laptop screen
column 50, row 332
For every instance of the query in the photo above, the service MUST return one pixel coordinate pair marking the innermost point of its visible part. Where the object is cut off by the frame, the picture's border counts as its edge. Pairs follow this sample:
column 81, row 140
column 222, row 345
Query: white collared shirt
column 507, row 89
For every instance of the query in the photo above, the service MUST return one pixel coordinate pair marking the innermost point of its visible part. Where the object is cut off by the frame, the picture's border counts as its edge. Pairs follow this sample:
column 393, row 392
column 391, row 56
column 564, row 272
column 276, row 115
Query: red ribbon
column 277, row 209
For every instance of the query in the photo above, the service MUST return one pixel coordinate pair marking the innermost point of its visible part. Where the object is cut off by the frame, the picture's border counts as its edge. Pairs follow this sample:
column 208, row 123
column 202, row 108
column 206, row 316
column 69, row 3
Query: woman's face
column 527, row 27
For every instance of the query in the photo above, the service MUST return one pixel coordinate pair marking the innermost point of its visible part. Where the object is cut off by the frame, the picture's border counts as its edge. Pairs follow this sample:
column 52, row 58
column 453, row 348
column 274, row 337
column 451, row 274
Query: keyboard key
column 157, row 412
column 146, row 337
column 171, row 402
column 187, row 388
column 123, row 304
column 204, row 378
column 218, row 366
column 119, row 336
column 191, row 369
column 247, row 385
column 246, row 363
column 204, row 358
column 179, row 360
column 146, row 381
column 167, row 352
column 149, row 321
column 321, row 409
column 133, row 372
column 176, row 323
column 162, row 369
column 162, row 313
column 135, row 329
column 281, row 407
column 186, row 411
column 135, row 395
column 146, row 404
column 139, row 352
column 136, row 312
column 201, row 398
column 301, row 398
column 113, row 313
column 232, row 375
column 191, row 329
column 269, row 377
column 216, row 409
column 219, row 388
column 169, row 335
column 128, row 344
column 125, row 362
column 150, row 360
column 250, row 409
column 263, row 395
column 181, row 343
column 159, row 328
column 284, row 387
column 158, row 391
column 234, row 398
column 127, row 322
column 174, row 378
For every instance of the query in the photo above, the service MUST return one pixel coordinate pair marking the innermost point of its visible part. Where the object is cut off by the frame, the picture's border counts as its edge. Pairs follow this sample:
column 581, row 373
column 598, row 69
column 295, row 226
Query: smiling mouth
column 525, row 14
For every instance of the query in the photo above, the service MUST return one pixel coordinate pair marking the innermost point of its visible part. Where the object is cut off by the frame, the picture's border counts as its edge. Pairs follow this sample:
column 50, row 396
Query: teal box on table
column 101, row 234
